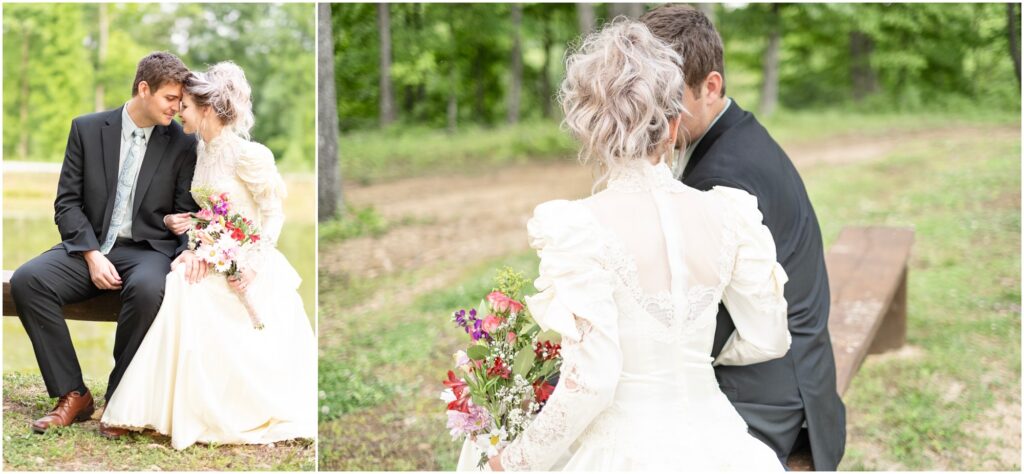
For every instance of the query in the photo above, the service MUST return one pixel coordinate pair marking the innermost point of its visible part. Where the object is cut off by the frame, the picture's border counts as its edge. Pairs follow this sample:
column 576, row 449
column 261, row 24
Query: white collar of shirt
column 681, row 162
column 128, row 126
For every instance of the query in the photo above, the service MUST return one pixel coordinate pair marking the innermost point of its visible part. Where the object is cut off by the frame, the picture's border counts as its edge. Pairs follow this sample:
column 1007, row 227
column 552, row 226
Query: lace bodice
column 631, row 278
column 247, row 172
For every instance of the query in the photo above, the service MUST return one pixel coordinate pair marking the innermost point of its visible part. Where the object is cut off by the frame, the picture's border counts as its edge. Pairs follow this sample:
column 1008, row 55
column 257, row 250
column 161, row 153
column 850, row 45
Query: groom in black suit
column 124, row 170
column 791, row 401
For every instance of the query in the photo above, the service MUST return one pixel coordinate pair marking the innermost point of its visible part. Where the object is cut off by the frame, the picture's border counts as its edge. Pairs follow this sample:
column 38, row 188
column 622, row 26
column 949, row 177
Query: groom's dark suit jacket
column 88, row 184
column 774, row 397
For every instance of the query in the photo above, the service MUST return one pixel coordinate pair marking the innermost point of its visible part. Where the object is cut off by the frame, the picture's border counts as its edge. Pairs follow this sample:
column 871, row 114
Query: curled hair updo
column 622, row 87
column 223, row 88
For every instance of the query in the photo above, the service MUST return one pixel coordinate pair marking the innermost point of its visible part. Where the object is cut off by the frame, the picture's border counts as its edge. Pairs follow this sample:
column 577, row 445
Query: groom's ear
column 713, row 85
column 144, row 88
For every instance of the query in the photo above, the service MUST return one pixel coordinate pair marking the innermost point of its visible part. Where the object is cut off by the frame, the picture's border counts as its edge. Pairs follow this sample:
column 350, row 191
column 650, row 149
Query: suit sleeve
column 183, row 201
column 75, row 230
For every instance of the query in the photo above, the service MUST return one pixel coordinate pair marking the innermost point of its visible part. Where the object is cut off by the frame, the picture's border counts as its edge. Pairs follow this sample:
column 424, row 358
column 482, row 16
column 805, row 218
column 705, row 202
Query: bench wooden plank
column 867, row 269
column 101, row 308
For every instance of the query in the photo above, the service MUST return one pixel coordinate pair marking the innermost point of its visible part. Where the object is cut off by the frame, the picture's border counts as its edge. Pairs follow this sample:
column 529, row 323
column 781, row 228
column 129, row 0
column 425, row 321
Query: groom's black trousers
column 44, row 284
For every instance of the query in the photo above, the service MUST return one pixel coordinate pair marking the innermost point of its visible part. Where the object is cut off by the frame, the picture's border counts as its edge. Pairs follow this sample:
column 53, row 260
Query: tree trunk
column 631, row 10
column 1013, row 28
column 548, row 42
column 587, row 18
column 864, row 80
column 25, row 92
column 101, row 59
column 453, row 76
column 479, row 88
column 516, row 82
column 329, row 197
column 387, row 94
column 770, row 65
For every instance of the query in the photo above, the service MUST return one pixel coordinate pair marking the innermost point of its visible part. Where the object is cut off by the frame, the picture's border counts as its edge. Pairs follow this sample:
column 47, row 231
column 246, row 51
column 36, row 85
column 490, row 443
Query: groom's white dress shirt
column 127, row 128
column 680, row 164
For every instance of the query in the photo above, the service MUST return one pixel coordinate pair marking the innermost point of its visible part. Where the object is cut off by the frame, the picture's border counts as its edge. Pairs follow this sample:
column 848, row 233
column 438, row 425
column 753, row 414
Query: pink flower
column 501, row 303
column 511, row 338
column 205, row 214
column 491, row 323
column 463, row 423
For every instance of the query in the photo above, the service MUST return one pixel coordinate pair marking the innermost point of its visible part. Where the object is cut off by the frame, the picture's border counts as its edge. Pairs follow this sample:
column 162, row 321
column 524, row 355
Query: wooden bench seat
column 867, row 277
column 101, row 308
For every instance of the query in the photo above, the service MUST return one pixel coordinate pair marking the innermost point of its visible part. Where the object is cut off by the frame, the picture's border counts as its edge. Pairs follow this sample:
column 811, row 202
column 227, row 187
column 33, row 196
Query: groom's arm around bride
column 124, row 170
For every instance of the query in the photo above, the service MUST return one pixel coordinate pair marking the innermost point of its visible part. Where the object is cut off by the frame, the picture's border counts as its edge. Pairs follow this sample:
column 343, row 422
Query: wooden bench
column 101, row 308
column 867, row 277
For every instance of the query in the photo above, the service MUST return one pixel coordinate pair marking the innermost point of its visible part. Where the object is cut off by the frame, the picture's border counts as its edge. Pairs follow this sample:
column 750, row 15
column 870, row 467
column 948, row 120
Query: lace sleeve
column 575, row 299
column 754, row 295
column 257, row 170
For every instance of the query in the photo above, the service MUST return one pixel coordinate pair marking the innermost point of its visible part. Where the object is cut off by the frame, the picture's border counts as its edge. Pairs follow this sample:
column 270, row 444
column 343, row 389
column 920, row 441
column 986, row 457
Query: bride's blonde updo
column 622, row 87
column 223, row 87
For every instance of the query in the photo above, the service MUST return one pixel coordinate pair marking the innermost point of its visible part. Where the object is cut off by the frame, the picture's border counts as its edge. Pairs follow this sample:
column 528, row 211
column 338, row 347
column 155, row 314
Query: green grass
column 405, row 151
column 380, row 370
column 80, row 447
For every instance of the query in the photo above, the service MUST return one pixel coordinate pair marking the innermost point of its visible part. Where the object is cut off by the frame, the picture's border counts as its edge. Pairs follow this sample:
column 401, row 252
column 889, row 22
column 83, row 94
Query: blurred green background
column 64, row 60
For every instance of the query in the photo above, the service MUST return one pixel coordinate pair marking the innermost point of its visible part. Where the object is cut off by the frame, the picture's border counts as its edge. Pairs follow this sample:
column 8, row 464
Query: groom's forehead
column 170, row 90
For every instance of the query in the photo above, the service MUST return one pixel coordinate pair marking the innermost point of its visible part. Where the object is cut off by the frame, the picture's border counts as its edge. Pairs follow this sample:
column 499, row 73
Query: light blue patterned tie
column 125, row 182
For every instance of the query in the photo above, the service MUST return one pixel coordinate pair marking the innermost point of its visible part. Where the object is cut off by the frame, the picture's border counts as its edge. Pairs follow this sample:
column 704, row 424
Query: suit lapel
column 110, row 138
column 150, row 162
column 731, row 116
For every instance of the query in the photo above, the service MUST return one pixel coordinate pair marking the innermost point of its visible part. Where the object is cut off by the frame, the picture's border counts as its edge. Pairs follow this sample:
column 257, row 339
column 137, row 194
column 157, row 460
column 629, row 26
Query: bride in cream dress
column 204, row 373
column 632, row 276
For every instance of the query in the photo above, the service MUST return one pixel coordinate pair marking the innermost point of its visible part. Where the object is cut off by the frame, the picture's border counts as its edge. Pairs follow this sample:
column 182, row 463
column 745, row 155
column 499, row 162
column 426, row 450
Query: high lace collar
column 641, row 175
column 223, row 141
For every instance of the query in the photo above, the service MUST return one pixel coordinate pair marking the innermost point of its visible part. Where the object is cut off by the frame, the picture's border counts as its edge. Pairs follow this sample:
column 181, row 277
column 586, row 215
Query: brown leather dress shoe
column 112, row 432
column 70, row 408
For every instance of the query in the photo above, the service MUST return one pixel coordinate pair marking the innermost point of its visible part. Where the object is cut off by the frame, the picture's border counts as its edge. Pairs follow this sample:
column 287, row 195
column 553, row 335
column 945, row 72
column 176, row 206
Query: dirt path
column 465, row 219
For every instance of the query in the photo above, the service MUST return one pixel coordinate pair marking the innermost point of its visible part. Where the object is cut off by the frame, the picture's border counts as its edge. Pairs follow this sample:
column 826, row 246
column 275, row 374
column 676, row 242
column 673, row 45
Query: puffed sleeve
column 575, row 299
column 257, row 170
column 754, row 294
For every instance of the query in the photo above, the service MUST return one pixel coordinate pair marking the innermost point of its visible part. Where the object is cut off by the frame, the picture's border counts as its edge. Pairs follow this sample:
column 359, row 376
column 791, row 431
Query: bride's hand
column 195, row 269
column 178, row 223
column 240, row 282
column 495, row 463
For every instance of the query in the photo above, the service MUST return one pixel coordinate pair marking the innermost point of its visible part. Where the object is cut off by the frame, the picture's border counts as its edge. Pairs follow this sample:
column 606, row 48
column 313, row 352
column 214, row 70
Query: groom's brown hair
column 691, row 34
column 158, row 69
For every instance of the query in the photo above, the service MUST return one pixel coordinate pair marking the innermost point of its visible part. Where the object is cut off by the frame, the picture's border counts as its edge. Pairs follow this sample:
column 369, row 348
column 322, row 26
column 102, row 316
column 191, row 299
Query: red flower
column 542, row 390
column 254, row 238
column 546, row 350
column 499, row 369
column 237, row 234
column 458, row 386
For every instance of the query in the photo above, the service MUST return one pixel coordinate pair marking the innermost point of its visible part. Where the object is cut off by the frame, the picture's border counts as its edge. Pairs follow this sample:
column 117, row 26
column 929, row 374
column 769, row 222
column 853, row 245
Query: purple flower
column 472, row 312
column 221, row 208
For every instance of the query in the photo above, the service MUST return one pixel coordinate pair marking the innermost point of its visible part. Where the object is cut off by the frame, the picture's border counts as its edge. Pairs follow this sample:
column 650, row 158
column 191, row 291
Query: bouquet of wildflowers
column 502, row 378
column 221, row 238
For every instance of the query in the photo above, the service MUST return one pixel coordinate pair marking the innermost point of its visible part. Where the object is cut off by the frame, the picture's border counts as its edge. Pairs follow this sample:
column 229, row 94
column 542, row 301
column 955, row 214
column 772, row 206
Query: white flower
column 492, row 442
column 447, row 395
column 208, row 253
column 222, row 265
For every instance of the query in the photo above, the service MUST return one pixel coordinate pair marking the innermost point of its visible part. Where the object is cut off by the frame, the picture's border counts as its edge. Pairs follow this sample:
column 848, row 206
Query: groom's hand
column 178, row 223
column 101, row 271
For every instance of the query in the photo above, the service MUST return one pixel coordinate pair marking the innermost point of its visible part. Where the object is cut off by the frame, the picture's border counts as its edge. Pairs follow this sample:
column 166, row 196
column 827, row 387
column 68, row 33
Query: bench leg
column 892, row 334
